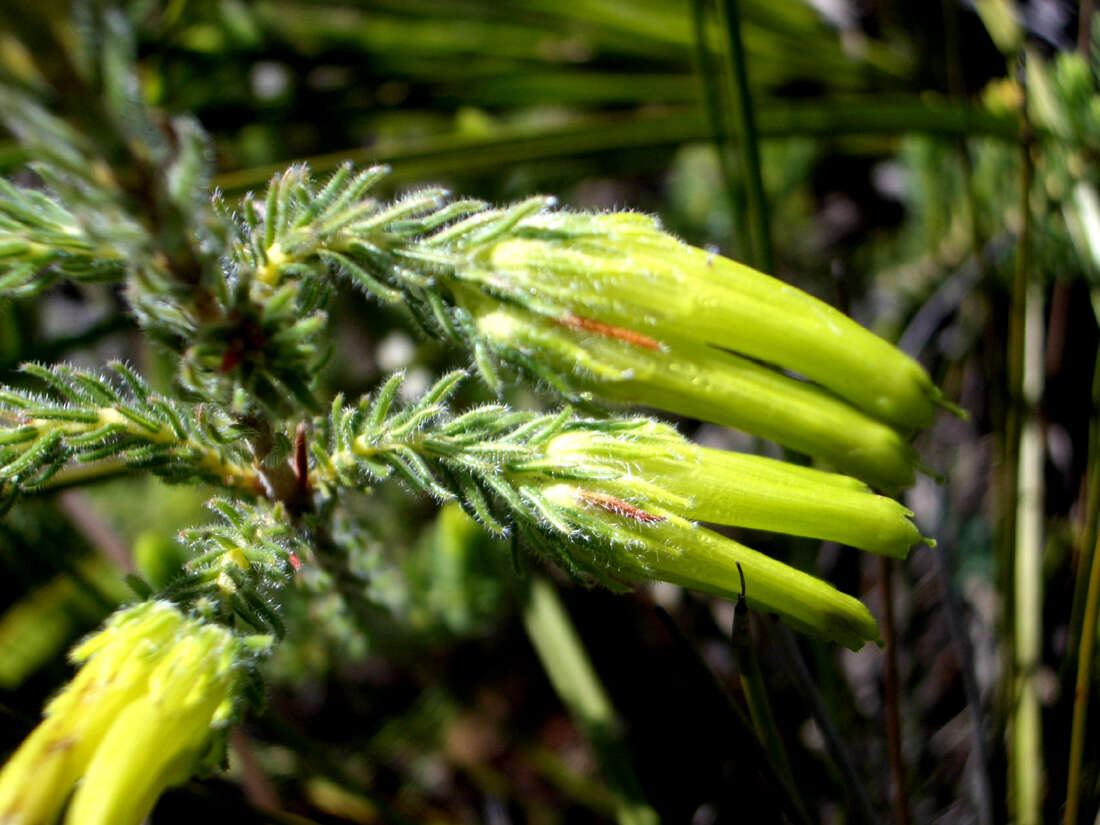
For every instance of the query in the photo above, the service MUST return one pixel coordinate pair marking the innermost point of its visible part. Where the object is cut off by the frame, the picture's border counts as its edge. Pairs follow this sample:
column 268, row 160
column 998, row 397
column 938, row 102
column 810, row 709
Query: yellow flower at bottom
column 137, row 718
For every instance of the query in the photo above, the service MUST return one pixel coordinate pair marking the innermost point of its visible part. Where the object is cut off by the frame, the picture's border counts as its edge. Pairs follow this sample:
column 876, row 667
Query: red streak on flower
column 611, row 504
column 600, row 328
column 295, row 562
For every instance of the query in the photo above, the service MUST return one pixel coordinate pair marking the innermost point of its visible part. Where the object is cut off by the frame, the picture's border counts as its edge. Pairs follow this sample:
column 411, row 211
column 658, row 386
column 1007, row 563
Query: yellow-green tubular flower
column 137, row 717
column 735, row 489
column 701, row 382
column 622, row 270
column 652, row 544
column 627, row 496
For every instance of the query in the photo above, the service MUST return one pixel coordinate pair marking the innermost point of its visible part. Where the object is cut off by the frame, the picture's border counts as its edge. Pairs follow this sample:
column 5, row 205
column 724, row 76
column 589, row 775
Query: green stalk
column 1086, row 9
column 580, row 788
column 1089, row 534
column 747, row 140
column 1026, row 755
column 563, row 656
column 1081, row 691
column 760, row 710
column 1025, row 450
column 1085, row 606
column 12, row 156
column 52, row 349
column 1083, row 624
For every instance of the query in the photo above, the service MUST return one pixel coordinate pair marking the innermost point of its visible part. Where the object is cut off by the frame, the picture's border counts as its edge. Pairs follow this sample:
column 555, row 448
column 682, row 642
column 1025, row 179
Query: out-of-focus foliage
column 892, row 164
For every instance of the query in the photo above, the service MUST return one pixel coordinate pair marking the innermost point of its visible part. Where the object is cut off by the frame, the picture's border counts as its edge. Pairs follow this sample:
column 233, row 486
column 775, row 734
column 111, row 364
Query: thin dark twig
column 1026, row 493
column 760, row 756
column 102, row 535
column 1081, row 692
column 258, row 788
column 833, row 741
column 1084, row 26
column 892, row 697
column 755, row 693
column 952, row 610
column 944, row 302
column 54, row 348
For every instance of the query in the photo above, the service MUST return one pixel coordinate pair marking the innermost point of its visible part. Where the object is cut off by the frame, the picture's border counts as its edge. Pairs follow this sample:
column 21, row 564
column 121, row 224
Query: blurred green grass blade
column 712, row 104
column 11, row 156
column 556, row 770
column 755, row 692
column 546, row 30
column 578, row 88
column 747, row 137
column 417, row 159
column 43, row 623
column 575, row 681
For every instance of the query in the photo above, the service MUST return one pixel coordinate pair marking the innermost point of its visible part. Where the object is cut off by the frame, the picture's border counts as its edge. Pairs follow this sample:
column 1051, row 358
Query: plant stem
column 767, row 731
column 892, row 697
column 1025, row 388
column 1027, row 731
column 96, row 529
column 1090, row 510
column 747, row 140
column 53, row 348
column 563, row 656
column 1081, row 691
column 1086, row 9
column 321, row 764
column 1083, row 624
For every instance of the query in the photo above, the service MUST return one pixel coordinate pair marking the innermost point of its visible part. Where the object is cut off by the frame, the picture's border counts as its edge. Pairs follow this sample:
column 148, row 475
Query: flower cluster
column 597, row 307
column 141, row 714
column 610, row 306
column 629, row 503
